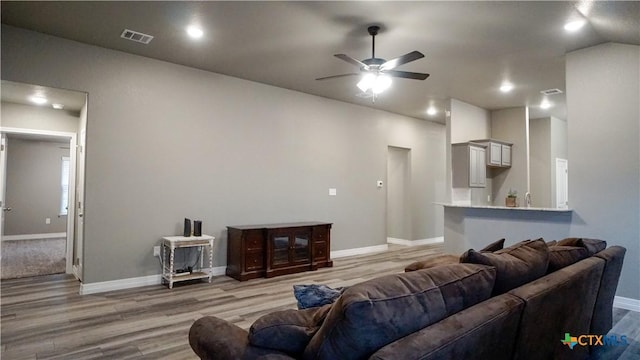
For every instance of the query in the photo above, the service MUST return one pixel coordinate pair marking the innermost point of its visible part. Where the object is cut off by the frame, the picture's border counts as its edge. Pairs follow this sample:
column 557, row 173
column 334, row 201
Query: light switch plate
column 156, row 251
column 332, row 192
column 379, row 183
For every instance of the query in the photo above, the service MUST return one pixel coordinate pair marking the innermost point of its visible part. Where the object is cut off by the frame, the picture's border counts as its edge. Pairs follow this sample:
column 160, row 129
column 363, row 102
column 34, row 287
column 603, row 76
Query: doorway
column 399, row 205
column 55, row 124
column 37, row 219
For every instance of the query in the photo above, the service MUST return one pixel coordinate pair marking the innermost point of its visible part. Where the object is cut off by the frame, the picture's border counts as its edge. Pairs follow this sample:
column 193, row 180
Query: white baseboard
column 104, row 286
column 359, row 251
column 626, row 303
column 34, row 236
column 404, row 242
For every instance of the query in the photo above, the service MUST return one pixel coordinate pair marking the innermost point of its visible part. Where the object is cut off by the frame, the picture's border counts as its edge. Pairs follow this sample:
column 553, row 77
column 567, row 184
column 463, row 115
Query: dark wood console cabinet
column 276, row 249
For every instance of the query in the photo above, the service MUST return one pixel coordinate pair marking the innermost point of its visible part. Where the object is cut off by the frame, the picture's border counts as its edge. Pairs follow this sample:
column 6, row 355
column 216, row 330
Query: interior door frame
column 71, row 211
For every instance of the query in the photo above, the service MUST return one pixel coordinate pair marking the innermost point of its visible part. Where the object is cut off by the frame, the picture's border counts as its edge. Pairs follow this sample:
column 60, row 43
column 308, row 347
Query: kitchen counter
column 517, row 208
column 475, row 226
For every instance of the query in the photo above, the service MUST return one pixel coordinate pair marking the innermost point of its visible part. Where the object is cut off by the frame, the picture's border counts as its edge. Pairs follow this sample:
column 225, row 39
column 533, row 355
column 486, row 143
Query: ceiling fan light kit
column 378, row 72
column 376, row 83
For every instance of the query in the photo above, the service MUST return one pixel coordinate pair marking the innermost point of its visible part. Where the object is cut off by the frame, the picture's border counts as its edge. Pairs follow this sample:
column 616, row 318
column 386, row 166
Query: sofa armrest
column 213, row 338
column 602, row 319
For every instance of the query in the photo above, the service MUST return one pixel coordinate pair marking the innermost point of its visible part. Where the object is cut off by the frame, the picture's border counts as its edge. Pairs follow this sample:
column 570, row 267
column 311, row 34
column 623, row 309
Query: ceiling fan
column 378, row 72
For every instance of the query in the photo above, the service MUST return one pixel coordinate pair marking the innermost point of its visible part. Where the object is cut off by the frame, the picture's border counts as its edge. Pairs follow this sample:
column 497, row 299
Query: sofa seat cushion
column 432, row 261
column 561, row 256
column 592, row 245
column 374, row 313
column 515, row 265
column 288, row 331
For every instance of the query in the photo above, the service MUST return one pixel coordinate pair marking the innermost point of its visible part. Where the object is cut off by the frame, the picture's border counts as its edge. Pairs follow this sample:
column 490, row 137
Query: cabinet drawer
column 253, row 240
column 320, row 233
column 320, row 250
column 253, row 261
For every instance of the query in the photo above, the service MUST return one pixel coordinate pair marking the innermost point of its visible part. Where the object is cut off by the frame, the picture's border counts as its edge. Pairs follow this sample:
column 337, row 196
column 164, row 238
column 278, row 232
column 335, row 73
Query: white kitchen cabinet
column 469, row 165
column 498, row 152
column 506, row 155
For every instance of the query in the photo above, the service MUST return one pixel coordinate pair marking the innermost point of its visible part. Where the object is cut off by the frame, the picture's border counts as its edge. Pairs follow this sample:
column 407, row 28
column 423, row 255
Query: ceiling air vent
column 551, row 92
column 136, row 36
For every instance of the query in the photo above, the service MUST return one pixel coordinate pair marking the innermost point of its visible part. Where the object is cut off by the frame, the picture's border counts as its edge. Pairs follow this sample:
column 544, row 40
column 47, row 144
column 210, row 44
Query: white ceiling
column 470, row 47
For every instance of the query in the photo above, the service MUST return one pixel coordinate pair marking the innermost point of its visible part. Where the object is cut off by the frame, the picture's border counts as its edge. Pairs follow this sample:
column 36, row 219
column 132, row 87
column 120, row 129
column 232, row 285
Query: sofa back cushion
column 433, row 261
column 561, row 256
column 377, row 312
column 594, row 246
column 515, row 265
column 289, row 330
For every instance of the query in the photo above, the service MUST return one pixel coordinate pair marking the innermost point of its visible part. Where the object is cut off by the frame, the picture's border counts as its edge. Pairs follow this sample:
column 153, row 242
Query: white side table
column 169, row 246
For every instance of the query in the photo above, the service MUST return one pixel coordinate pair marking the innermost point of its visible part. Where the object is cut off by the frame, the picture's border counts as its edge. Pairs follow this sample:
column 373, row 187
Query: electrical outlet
column 156, row 251
column 47, row 221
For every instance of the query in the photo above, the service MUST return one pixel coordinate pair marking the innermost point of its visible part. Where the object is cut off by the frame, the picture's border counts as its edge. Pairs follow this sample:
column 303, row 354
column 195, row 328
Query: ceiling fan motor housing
column 374, row 61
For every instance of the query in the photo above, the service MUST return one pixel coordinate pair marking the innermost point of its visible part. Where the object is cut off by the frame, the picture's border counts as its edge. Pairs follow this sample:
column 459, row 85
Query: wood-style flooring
column 45, row 318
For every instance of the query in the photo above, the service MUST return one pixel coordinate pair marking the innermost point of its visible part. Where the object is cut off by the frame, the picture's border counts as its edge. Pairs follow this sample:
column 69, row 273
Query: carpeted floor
column 22, row 258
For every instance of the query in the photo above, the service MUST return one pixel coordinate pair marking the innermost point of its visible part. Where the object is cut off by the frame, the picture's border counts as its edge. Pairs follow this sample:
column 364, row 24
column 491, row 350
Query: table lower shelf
column 180, row 277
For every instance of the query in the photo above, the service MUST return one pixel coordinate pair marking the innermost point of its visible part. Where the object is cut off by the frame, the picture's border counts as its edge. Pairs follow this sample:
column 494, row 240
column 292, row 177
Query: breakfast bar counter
column 475, row 226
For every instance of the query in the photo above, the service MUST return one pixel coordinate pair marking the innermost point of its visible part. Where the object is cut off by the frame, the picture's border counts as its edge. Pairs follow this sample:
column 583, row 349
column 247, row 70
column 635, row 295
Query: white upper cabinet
column 498, row 152
column 469, row 165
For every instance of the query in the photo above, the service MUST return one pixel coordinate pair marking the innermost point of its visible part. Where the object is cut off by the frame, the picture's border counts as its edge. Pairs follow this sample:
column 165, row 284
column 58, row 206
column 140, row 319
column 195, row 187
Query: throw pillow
column 592, row 245
column 313, row 295
column 288, row 331
column 561, row 256
column 494, row 246
column 374, row 313
column 432, row 261
column 515, row 265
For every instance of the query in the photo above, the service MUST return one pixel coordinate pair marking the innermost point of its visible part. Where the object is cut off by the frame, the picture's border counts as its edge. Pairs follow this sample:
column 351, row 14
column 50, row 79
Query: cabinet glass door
column 301, row 247
column 280, row 253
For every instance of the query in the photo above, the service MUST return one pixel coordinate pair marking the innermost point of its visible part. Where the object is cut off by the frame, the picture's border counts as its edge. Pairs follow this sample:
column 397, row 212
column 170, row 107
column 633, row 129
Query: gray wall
column 33, row 187
column 559, row 149
column 399, row 217
column 511, row 125
column 604, row 150
column 467, row 122
column 166, row 142
column 540, row 162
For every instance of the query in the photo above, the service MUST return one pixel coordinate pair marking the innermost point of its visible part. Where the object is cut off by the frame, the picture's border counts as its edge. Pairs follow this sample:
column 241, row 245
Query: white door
column 3, row 177
column 562, row 183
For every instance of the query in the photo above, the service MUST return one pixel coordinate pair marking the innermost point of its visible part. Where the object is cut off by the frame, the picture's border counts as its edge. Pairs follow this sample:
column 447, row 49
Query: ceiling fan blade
column 351, row 60
column 414, row 55
column 337, row 76
column 406, row 74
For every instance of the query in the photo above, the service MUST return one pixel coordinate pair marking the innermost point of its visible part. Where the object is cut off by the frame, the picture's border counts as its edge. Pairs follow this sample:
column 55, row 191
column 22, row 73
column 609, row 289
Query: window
column 64, row 186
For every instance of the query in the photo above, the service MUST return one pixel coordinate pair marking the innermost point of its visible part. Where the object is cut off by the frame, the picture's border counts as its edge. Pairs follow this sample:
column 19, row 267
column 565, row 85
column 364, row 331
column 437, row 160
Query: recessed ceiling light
column 432, row 111
column 195, row 32
column 506, row 87
column 545, row 104
column 57, row 106
column 575, row 25
column 37, row 99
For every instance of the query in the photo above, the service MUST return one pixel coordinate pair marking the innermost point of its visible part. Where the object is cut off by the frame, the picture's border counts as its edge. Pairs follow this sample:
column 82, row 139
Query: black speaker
column 187, row 227
column 197, row 228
